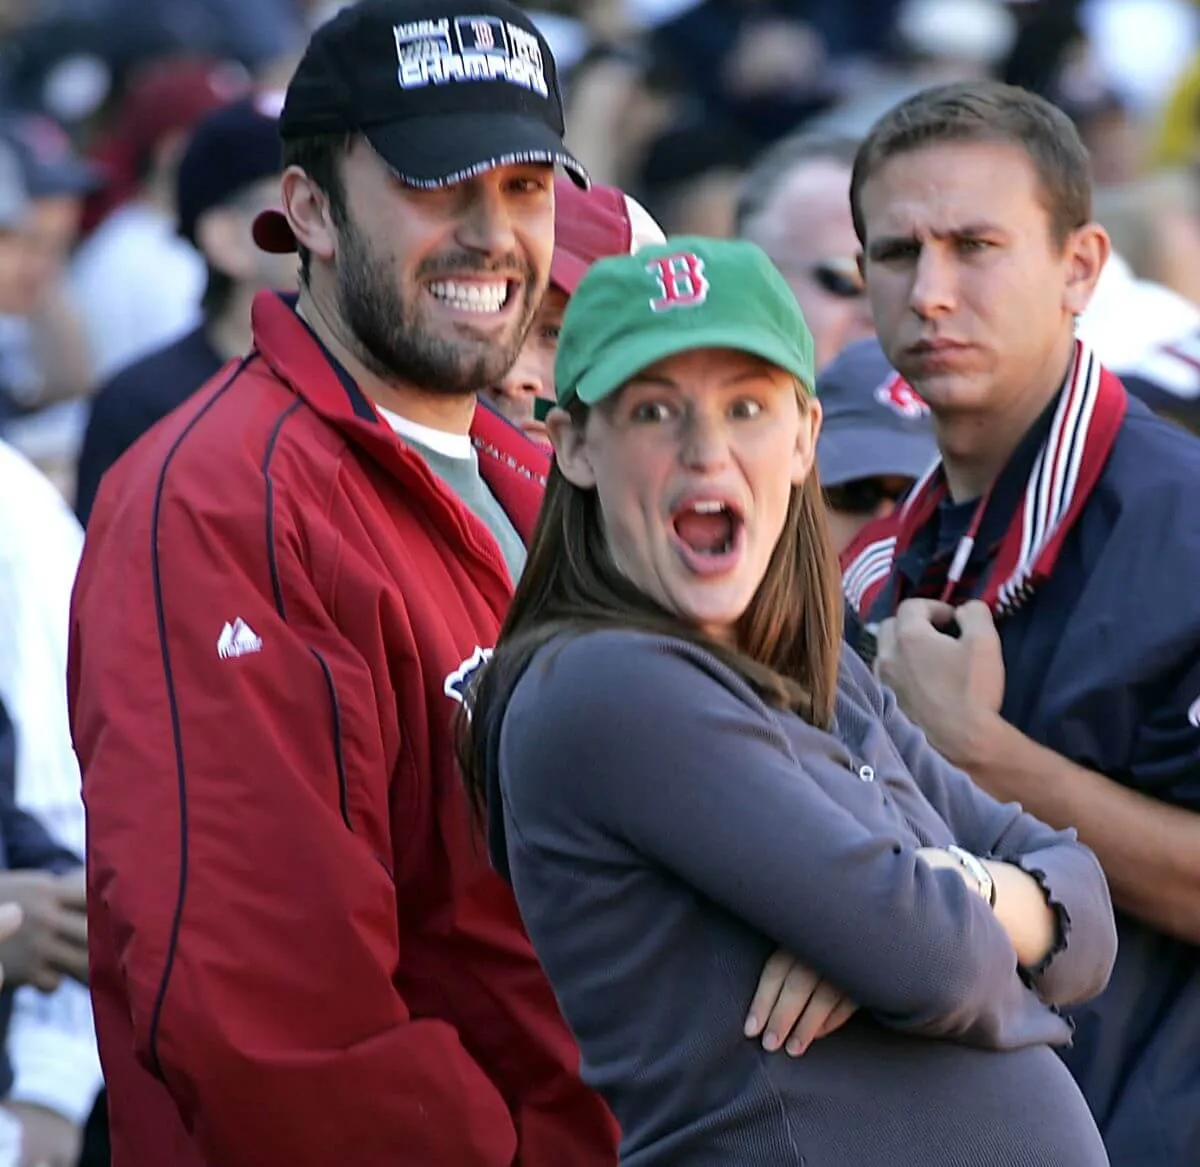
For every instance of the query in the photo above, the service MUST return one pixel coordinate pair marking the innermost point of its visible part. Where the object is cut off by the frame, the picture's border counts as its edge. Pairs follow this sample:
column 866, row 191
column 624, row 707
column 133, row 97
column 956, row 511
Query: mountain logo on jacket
column 238, row 639
column 458, row 685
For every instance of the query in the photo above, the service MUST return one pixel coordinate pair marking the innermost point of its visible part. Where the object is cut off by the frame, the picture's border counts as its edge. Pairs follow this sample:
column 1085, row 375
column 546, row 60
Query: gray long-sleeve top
column 664, row 831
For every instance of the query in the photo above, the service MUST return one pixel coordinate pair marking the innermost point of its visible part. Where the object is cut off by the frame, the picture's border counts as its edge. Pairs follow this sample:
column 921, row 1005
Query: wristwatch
column 977, row 870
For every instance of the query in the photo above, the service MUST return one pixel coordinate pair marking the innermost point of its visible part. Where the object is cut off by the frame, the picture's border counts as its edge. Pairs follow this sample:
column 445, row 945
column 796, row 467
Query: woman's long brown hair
column 787, row 641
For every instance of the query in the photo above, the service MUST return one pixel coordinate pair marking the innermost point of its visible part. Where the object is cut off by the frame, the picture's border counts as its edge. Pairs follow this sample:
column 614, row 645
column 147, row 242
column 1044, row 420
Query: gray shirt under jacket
column 664, row 831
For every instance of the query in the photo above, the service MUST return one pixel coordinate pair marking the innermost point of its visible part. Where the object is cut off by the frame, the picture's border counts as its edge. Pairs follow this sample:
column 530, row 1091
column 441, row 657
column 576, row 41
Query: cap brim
column 449, row 148
column 623, row 360
column 68, row 179
column 873, row 452
column 271, row 233
column 440, row 151
column 567, row 271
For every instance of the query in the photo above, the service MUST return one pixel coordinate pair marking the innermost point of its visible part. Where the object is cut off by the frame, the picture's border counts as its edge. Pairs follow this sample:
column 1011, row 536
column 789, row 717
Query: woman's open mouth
column 709, row 534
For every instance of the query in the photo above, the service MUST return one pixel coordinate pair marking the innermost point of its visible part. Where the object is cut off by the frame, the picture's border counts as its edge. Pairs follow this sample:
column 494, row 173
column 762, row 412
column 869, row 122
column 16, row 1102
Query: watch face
column 971, row 864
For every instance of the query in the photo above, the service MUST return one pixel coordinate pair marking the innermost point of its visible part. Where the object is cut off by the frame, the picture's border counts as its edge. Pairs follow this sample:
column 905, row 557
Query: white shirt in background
column 51, row 1039
column 137, row 285
column 1128, row 318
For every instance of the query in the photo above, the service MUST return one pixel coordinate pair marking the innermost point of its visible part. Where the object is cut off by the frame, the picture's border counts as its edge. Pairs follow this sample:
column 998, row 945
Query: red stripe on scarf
column 1091, row 408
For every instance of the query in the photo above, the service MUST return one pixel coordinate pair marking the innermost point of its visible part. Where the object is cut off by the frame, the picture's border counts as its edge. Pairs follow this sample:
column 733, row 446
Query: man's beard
column 396, row 342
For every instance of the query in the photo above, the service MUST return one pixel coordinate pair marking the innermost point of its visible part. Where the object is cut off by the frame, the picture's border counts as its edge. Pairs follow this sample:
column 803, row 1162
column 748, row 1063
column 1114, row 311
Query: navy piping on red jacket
column 358, row 401
column 363, row 409
column 276, row 586
column 277, row 591
column 173, row 705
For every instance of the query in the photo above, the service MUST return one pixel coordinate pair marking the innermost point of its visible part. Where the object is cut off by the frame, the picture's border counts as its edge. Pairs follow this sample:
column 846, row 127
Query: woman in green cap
column 682, row 770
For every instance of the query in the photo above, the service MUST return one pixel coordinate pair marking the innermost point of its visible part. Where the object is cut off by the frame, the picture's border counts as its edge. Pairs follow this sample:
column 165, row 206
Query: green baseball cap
column 630, row 311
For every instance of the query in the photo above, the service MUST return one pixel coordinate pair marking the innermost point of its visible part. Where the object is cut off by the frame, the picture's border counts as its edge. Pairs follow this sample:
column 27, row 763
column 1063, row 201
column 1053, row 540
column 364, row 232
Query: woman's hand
column 793, row 1004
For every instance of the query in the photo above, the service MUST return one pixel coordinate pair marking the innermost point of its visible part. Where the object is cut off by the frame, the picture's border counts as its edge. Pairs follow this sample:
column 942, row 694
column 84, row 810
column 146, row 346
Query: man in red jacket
column 299, row 954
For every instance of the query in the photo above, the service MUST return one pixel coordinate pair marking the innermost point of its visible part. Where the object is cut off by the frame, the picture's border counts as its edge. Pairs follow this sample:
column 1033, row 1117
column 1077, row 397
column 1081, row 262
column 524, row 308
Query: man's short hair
column 986, row 111
column 776, row 163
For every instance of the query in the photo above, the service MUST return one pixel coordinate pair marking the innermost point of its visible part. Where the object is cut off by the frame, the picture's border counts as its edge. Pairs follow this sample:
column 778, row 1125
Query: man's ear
column 1085, row 253
column 308, row 214
column 570, row 449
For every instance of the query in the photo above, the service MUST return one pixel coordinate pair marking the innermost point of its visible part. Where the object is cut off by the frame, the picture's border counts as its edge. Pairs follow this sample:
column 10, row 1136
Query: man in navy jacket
column 1033, row 601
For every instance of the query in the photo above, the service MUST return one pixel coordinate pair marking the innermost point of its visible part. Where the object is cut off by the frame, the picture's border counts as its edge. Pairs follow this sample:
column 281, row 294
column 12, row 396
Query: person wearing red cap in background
column 136, row 283
column 588, row 225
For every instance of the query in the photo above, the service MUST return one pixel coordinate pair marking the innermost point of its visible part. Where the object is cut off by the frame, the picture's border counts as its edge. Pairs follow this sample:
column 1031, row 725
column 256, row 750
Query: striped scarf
column 1089, row 413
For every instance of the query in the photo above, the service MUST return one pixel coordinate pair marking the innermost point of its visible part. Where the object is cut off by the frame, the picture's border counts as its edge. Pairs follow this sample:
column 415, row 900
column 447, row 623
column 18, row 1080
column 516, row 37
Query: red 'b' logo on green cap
column 681, row 282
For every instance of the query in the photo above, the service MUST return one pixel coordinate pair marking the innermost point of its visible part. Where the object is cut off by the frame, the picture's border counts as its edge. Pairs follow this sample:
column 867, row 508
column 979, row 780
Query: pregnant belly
column 867, row 1096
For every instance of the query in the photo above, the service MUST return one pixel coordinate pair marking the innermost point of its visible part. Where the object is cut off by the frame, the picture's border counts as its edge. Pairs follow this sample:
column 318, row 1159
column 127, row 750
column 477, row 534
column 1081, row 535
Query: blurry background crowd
column 127, row 267
column 672, row 100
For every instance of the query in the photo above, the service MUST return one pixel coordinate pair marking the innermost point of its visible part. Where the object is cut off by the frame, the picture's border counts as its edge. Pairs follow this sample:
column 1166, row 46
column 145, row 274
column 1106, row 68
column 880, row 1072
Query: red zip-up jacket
column 299, row 954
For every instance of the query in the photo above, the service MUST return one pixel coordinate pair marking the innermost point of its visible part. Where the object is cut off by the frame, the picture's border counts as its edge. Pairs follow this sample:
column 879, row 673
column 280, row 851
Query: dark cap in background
column 441, row 89
column 229, row 150
column 875, row 425
column 51, row 166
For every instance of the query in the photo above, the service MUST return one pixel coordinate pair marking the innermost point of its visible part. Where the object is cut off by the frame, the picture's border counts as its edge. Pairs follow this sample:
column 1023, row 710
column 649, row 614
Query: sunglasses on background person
column 864, row 496
column 838, row 277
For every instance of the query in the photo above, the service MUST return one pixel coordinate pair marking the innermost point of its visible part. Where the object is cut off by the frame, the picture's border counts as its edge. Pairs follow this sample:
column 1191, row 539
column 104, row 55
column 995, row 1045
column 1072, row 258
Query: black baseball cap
column 441, row 89
column 874, row 423
column 230, row 149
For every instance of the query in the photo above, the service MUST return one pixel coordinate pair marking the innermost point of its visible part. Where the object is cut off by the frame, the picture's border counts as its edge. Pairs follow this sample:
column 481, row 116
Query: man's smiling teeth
column 472, row 297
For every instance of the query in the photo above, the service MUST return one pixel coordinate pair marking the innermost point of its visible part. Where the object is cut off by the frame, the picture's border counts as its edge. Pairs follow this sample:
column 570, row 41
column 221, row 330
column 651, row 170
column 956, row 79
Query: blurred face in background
column 532, row 376
column 224, row 236
column 48, row 238
column 807, row 231
column 13, row 265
